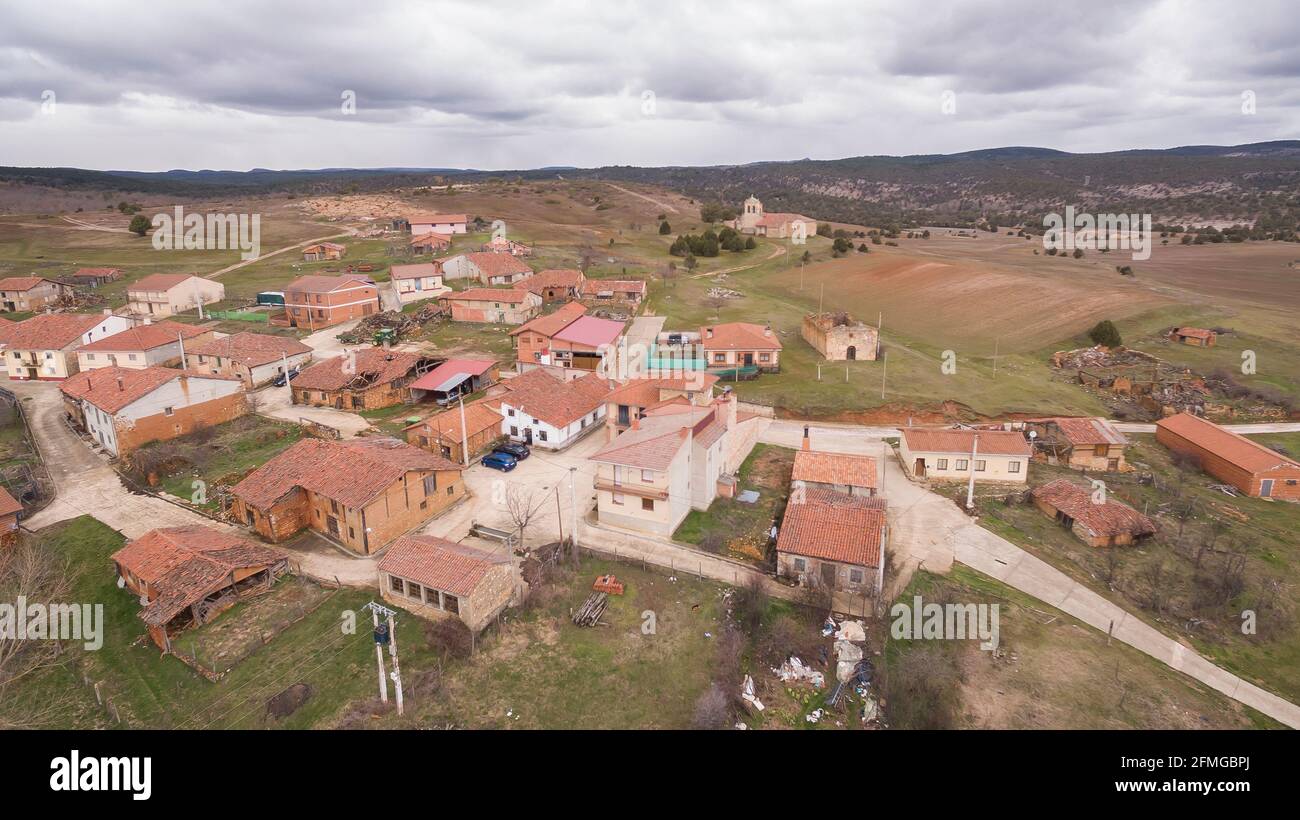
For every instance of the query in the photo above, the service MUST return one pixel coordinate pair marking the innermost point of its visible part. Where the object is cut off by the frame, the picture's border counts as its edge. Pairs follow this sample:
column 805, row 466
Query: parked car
column 500, row 461
column 519, row 451
column 281, row 380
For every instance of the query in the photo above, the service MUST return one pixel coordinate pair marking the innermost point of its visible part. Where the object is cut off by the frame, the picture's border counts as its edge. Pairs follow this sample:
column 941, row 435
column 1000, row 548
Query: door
column 528, row 435
column 749, row 360
column 332, row 524
column 851, row 353
column 1266, row 488
column 828, row 575
column 919, row 468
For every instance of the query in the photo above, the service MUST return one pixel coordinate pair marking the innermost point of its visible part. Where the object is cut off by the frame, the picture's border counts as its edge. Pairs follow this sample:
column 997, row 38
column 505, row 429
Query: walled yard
column 734, row 528
column 1215, row 557
column 219, row 456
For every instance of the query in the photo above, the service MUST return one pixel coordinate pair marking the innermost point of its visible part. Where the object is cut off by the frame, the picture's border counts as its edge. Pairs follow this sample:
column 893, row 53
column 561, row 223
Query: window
column 943, row 464
column 979, row 465
column 1101, row 450
column 413, row 590
column 647, row 475
column 131, row 356
column 800, row 565
column 1013, row 466
column 855, row 576
column 514, row 431
column 541, row 434
column 451, row 489
column 430, row 484
column 396, row 584
column 49, row 355
column 617, row 498
column 962, row 463
column 90, row 357
column 334, row 506
column 510, row 411
column 719, row 357
column 169, row 411
column 648, row 504
column 765, row 357
column 352, row 533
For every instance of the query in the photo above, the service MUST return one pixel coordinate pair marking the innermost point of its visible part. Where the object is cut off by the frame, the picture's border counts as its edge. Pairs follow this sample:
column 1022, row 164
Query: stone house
column 836, row 472
column 432, row 577
column 1090, row 444
column 503, row 306
column 368, row 379
column 444, row 434
column 253, row 358
column 323, row 251
column 834, row 541
column 1097, row 522
column 361, row 493
column 839, row 338
column 28, row 294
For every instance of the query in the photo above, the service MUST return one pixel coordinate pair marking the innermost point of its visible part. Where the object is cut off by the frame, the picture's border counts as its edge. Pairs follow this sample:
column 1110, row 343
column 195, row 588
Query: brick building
column 1231, row 458
column 367, row 379
column 444, row 434
column 321, row 301
column 362, row 493
column 124, row 409
column 432, row 577
column 1096, row 522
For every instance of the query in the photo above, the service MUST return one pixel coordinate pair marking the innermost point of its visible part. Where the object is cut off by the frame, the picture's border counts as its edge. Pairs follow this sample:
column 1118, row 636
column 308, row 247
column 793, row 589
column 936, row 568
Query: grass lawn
column 731, row 527
column 1193, row 594
column 14, row 447
column 146, row 689
column 221, row 455
column 1049, row 672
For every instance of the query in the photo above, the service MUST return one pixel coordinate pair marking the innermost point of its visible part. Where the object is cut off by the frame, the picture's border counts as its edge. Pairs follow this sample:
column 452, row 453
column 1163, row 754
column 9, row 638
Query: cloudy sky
column 499, row 85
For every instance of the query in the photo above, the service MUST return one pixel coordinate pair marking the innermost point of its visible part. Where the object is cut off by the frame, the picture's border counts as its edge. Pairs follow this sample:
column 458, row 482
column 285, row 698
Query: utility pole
column 284, row 365
column 573, row 512
column 181, row 339
column 464, row 433
column 884, row 370
column 970, row 487
column 559, row 513
column 379, row 652
column 995, row 355
column 392, row 650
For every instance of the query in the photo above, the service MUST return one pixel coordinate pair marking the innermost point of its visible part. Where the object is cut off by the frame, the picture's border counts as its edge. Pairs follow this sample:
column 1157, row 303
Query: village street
column 927, row 530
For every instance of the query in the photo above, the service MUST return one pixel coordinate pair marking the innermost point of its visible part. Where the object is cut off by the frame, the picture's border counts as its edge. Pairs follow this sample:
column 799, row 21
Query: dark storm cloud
column 512, row 84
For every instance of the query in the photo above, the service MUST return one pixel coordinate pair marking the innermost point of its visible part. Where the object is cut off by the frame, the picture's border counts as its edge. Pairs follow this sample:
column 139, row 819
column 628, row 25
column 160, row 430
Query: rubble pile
column 397, row 324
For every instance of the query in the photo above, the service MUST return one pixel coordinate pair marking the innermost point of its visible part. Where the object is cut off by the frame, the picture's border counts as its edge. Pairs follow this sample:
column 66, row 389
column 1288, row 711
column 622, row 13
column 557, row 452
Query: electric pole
column 392, row 650
column 464, row 433
column 970, row 488
column 181, row 339
column 884, row 369
column 573, row 512
column 379, row 651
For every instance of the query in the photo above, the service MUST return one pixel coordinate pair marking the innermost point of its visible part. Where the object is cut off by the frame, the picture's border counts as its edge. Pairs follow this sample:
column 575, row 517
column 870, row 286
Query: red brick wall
column 131, row 436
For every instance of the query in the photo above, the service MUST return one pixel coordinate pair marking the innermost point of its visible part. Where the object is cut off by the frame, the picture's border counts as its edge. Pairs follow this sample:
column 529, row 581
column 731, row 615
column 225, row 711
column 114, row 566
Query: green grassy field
column 1049, row 671
column 730, row 527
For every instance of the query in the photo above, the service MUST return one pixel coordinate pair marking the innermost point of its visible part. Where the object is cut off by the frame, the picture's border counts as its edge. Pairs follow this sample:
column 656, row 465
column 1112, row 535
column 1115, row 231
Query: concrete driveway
column 277, row 403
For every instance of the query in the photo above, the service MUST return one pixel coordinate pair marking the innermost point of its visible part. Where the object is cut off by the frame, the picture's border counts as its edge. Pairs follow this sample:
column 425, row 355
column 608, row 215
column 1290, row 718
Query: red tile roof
column 420, row 271
column 552, row 323
column 350, row 472
column 183, row 565
column 1110, row 518
column 992, row 442
column 112, row 388
column 591, row 287
column 23, row 282
column 379, row 365
column 559, row 403
column 1235, row 449
column 439, row 564
column 431, row 238
column 8, row 504
column 498, row 264
column 834, row 468
column 551, row 278
column 488, row 294
column 430, row 219
column 327, row 284
column 1195, row 332
column 739, row 336
column 251, row 349
column 51, row 331
column 445, row 426
column 111, row 273
column 161, row 281
column 652, row 445
column 146, row 337
column 1084, row 432
column 647, row 392
column 833, row 527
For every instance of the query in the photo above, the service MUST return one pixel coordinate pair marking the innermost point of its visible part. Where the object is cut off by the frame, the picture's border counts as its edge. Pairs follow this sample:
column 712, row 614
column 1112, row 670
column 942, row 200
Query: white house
column 415, row 282
column 543, row 411
column 956, row 455
column 437, row 223
column 44, row 347
column 150, row 344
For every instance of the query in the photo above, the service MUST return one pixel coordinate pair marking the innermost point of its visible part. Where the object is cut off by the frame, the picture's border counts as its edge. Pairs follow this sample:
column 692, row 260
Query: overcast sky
column 499, row 85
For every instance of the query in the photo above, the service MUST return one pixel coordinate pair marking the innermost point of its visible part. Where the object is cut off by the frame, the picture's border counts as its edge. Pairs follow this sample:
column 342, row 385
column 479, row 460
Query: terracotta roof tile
column 1238, row 450
column 350, row 472
column 419, row 271
column 382, row 366
column 551, row 278
column 8, row 504
column 834, row 527
column 146, row 337
column 23, row 282
column 183, row 565
column 552, row 323
column 251, row 349
column 594, row 286
column 498, row 264
column 439, row 564
column 1086, row 431
column 834, row 468
column 488, row 295
column 992, row 442
column 1110, row 518
column 51, row 331
column 161, row 281
column 738, row 336
column 326, row 284
column 558, row 403
column 445, row 426
column 112, row 388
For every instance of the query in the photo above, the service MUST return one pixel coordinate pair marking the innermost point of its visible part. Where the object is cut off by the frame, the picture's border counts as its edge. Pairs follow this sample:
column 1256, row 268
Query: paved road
column 303, row 244
column 87, row 485
column 277, row 403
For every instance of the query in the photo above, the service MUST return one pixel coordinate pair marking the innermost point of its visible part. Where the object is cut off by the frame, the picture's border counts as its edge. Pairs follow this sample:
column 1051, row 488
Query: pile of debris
column 724, row 293
column 392, row 324
column 1100, row 356
column 589, row 613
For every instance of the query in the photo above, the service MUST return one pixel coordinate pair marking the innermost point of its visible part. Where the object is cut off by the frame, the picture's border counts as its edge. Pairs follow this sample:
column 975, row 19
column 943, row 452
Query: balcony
column 639, row 490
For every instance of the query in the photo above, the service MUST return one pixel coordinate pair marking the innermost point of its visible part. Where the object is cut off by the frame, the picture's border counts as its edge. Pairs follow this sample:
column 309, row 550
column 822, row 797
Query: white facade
column 130, row 359
column 163, row 401
column 960, row 466
column 423, row 287
column 61, row 363
column 420, row 228
column 518, row 425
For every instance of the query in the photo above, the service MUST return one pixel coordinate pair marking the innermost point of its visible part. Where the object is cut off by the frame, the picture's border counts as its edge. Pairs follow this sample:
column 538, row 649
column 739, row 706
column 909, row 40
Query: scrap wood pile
column 589, row 613
column 1100, row 356
column 399, row 324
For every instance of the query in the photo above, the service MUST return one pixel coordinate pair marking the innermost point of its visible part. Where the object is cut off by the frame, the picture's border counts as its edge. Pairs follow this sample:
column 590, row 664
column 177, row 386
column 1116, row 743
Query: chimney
column 121, row 385
column 108, row 311
column 767, row 330
column 636, row 421
column 148, row 320
column 807, row 443
column 708, row 333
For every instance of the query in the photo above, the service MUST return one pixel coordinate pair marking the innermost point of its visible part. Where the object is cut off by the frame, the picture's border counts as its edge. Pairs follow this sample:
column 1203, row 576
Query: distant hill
column 1197, row 184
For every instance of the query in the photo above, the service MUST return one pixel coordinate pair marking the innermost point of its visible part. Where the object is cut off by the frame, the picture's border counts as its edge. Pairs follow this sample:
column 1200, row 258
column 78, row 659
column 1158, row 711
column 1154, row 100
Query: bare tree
column 29, row 573
column 523, row 506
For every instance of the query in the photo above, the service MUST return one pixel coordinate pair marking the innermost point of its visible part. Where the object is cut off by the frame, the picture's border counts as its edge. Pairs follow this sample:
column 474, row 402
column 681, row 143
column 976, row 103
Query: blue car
column 500, row 461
